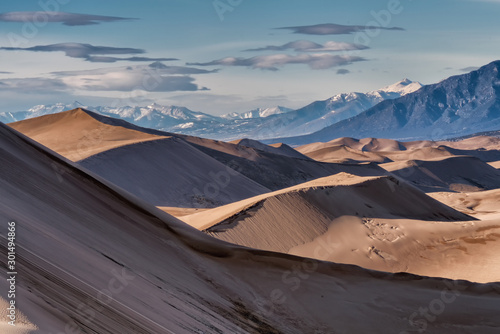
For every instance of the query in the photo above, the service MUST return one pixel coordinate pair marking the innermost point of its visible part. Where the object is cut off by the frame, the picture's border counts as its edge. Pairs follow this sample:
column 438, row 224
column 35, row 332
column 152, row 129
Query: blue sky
column 196, row 53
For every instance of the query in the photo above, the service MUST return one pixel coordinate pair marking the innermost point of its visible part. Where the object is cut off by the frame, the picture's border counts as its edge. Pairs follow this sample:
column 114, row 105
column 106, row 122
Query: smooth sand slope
column 482, row 205
column 171, row 170
column 377, row 223
column 495, row 164
column 96, row 259
column 76, row 135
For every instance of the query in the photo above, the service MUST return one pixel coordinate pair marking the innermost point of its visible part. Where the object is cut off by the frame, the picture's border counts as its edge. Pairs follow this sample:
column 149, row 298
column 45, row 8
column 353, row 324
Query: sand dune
column 370, row 149
column 376, row 223
column 280, row 148
column 457, row 173
column 495, row 164
column 76, row 135
column 275, row 171
column 457, row 250
column 385, row 150
column 482, row 205
column 474, row 143
column 170, row 172
column 98, row 259
column 355, row 195
column 200, row 172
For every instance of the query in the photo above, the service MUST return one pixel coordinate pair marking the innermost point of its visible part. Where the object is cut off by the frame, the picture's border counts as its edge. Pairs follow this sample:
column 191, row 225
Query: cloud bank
column 68, row 19
column 149, row 78
column 333, row 29
column 273, row 62
column 89, row 52
column 308, row 46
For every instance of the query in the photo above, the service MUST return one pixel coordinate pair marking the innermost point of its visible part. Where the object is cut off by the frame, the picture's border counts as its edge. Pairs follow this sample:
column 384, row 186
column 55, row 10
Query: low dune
column 474, row 143
column 386, row 150
column 280, row 148
column 456, row 250
column 495, row 164
column 482, row 204
column 456, row 173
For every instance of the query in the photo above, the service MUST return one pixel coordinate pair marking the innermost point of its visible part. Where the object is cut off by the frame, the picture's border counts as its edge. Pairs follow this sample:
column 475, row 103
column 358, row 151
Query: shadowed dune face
column 77, row 233
column 170, row 172
column 460, row 173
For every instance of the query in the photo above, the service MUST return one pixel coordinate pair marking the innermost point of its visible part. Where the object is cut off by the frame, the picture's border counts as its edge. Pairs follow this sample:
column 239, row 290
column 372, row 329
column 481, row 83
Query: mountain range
column 458, row 106
column 455, row 107
column 261, row 123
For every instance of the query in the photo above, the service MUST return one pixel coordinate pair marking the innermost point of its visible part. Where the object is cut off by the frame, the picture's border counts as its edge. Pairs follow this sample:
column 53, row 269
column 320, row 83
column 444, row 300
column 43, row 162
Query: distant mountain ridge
column 260, row 123
column 258, row 113
column 458, row 106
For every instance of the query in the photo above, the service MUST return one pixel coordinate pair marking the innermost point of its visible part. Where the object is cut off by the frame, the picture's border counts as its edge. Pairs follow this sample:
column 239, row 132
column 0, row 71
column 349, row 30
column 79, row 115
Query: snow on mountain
column 403, row 87
column 321, row 114
column 260, row 123
column 258, row 113
column 457, row 106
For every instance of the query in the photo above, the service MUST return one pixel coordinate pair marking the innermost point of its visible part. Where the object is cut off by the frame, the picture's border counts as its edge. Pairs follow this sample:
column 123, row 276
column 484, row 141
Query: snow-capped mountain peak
column 403, row 87
column 258, row 113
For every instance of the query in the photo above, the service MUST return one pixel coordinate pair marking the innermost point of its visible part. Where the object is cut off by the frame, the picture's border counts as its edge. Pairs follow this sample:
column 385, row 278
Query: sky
column 221, row 56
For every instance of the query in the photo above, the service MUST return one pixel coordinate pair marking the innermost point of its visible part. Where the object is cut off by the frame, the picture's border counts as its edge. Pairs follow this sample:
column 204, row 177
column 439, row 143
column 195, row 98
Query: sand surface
column 343, row 242
column 76, row 135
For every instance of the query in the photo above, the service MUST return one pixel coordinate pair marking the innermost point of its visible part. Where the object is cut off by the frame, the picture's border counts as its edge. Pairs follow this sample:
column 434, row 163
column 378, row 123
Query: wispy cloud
column 89, row 52
column 308, row 46
column 273, row 62
column 343, row 71
column 149, row 78
column 155, row 77
column 32, row 85
column 69, row 19
column 469, row 69
column 5, row 72
column 333, row 29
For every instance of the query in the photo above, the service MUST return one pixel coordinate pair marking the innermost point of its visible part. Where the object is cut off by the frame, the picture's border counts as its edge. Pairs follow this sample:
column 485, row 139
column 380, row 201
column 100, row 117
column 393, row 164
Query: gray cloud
column 89, row 52
column 469, row 69
column 272, row 62
column 308, row 46
column 69, row 19
column 155, row 77
column 5, row 72
column 156, row 68
column 30, row 85
column 333, row 29
column 154, row 84
column 343, row 71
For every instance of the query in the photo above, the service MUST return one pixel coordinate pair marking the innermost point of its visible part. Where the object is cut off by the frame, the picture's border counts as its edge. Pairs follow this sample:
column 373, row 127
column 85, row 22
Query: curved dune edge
column 209, row 218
